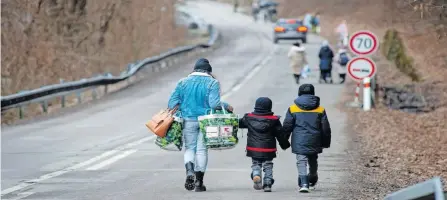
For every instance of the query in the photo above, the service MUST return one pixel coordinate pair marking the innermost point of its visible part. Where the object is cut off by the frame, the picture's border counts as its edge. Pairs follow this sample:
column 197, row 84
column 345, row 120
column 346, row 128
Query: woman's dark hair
column 296, row 44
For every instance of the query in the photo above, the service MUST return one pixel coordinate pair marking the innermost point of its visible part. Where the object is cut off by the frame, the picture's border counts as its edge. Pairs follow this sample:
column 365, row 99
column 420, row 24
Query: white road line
column 75, row 167
column 111, row 160
column 21, row 195
column 248, row 77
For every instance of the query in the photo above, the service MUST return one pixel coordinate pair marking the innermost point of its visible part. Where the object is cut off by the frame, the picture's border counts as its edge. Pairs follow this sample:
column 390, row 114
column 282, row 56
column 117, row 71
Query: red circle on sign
column 373, row 66
column 351, row 42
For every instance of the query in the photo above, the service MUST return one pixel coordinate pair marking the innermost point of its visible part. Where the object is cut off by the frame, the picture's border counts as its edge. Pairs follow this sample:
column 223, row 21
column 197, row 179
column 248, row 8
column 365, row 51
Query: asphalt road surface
column 104, row 151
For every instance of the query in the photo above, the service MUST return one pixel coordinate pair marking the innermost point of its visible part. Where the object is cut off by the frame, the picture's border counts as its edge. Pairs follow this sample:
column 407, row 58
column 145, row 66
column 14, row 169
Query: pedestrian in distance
column 316, row 23
column 326, row 56
column 342, row 58
column 264, row 129
column 307, row 21
column 297, row 59
column 306, row 121
column 343, row 34
column 195, row 95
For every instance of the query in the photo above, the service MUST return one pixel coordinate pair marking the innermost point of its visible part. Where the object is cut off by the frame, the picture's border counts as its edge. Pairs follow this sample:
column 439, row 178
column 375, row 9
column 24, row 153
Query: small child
column 264, row 129
column 311, row 132
column 342, row 58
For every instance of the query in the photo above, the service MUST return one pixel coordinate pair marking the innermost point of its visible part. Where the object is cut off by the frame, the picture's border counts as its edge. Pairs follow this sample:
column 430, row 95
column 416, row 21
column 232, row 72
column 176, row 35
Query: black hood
column 307, row 102
column 263, row 106
column 261, row 124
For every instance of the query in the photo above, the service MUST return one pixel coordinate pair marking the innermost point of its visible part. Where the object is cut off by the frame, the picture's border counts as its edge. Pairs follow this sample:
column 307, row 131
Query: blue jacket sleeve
column 214, row 97
column 175, row 98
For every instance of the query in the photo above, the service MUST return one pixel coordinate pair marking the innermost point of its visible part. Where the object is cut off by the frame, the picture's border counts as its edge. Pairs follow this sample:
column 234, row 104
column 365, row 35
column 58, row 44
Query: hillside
column 44, row 41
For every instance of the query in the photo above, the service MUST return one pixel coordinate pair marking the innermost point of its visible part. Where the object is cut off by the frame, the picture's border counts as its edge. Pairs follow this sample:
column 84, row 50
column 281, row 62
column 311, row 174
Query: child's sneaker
column 304, row 189
column 303, row 183
column 257, row 182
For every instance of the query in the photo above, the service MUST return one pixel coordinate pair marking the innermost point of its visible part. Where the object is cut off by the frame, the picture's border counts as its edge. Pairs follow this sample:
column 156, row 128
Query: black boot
column 199, row 182
column 313, row 179
column 342, row 78
column 297, row 78
column 268, row 183
column 189, row 183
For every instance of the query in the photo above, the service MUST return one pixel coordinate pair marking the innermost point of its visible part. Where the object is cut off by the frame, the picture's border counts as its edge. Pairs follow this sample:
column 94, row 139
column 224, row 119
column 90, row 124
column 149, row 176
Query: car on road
column 289, row 29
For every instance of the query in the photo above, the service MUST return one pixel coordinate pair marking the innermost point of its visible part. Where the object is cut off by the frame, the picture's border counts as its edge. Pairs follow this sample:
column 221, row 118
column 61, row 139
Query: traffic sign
column 363, row 43
column 361, row 67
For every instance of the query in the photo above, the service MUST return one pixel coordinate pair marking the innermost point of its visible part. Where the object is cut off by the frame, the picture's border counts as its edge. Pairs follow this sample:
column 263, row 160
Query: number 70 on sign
column 363, row 43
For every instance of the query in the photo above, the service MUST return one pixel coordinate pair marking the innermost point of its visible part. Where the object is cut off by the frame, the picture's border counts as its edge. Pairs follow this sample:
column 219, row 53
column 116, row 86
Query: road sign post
column 363, row 43
column 358, row 69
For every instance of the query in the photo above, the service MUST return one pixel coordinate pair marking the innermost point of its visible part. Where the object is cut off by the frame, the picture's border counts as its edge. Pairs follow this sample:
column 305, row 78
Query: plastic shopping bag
column 220, row 129
column 173, row 141
column 305, row 71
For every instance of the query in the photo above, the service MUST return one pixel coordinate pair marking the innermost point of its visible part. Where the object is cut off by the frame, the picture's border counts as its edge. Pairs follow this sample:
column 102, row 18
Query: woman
column 297, row 57
column 196, row 95
column 342, row 31
column 326, row 56
column 342, row 58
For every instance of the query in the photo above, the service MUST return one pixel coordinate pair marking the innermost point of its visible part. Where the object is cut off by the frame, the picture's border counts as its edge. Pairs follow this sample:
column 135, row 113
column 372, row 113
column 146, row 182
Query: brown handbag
column 161, row 122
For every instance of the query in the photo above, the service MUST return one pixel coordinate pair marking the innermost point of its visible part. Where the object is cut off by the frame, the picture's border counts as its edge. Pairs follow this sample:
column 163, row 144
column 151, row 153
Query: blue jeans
column 262, row 164
column 303, row 160
column 195, row 149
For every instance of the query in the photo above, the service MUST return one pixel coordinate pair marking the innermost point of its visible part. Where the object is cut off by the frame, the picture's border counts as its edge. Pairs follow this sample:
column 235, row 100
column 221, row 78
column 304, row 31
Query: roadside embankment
column 50, row 106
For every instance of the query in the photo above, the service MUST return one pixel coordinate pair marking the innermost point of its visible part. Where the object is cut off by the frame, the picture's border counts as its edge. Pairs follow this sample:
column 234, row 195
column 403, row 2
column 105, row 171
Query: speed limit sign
column 363, row 43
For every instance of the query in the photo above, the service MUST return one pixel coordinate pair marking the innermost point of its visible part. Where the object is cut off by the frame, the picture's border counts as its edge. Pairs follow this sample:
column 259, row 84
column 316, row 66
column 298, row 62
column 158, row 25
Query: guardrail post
column 21, row 109
column 106, row 86
column 63, row 96
column 79, row 96
column 129, row 67
column 44, row 106
column 94, row 94
column 21, row 112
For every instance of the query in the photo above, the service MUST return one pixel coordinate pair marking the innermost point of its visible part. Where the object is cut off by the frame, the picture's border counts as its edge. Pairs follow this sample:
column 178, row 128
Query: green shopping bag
column 173, row 140
column 219, row 129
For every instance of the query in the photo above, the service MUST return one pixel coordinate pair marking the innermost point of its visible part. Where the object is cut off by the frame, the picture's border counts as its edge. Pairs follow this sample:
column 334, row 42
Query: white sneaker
column 304, row 189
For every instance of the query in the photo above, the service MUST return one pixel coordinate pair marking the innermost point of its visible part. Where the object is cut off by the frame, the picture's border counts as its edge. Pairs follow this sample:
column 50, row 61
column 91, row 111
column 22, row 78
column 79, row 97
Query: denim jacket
column 196, row 95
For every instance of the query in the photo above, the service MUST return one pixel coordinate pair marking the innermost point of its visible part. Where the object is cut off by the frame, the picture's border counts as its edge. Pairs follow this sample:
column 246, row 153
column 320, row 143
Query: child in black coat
column 264, row 129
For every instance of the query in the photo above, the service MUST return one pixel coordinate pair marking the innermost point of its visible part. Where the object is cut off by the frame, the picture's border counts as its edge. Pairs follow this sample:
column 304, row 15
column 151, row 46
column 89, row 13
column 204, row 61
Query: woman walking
column 297, row 58
column 326, row 56
column 195, row 95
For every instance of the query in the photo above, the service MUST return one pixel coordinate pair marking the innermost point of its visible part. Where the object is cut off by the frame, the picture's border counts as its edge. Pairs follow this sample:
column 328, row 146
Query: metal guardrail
column 25, row 97
column 428, row 190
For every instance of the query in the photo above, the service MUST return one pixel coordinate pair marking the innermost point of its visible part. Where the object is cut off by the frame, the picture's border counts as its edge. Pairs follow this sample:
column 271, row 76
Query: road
column 104, row 151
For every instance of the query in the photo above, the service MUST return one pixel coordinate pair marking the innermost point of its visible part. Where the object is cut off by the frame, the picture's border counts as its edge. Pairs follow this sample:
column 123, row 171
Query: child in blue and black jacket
column 309, row 126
